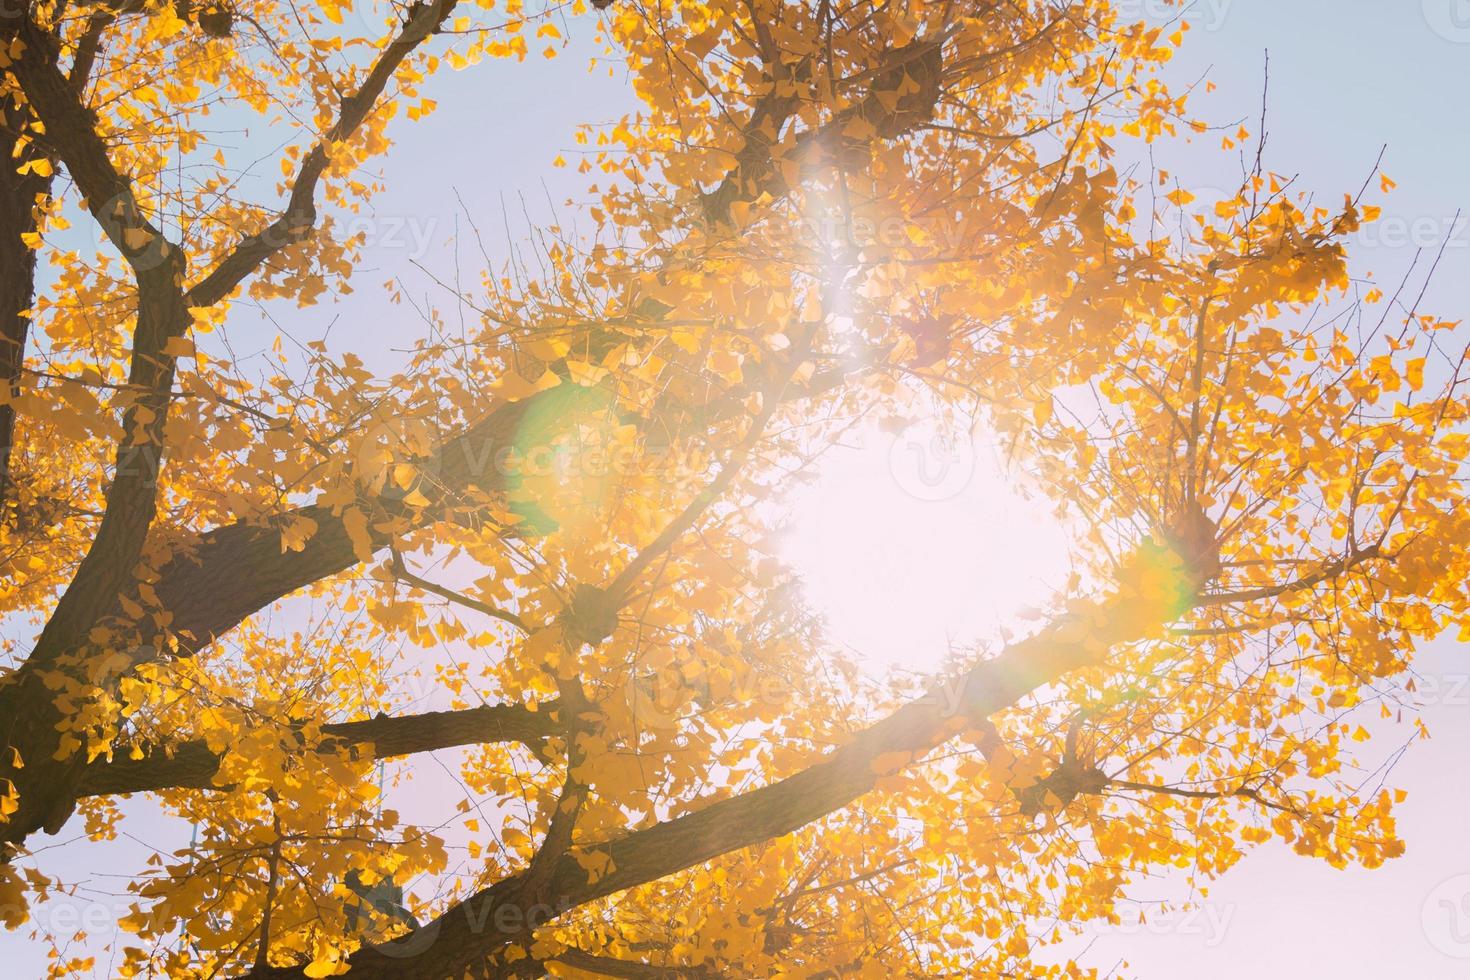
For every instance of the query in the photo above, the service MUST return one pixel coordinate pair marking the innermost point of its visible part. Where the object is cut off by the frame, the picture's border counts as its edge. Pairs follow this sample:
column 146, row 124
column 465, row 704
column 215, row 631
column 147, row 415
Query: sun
column 917, row 544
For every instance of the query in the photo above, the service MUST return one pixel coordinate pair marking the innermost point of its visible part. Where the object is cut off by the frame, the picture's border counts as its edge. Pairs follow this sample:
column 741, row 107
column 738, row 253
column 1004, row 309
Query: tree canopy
column 557, row 517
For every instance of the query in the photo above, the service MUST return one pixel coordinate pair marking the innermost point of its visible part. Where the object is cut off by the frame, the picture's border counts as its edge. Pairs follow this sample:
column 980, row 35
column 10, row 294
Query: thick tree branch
column 89, row 46
column 468, row 932
column 193, row 765
column 109, row 568
column 18, row 194
column 163, row 308
column 70, row 128
column 612, row 966
column 234, row 571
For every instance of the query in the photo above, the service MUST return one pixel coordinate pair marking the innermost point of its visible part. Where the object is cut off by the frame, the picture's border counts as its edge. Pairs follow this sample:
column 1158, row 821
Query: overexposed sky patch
column 912, row 543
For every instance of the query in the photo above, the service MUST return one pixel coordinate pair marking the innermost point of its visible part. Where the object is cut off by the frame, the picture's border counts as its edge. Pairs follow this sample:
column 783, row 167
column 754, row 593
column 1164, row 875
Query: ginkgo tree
column 560, row 510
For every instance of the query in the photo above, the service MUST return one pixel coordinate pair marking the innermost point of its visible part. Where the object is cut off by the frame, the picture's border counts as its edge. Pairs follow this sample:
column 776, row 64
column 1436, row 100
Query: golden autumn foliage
column 556, row 518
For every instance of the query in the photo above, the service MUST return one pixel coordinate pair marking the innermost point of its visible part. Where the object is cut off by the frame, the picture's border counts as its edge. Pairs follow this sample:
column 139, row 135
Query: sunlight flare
column 916, row 544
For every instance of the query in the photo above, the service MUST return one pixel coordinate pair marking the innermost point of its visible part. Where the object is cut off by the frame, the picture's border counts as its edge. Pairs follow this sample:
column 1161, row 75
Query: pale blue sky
column 1347, row 76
